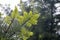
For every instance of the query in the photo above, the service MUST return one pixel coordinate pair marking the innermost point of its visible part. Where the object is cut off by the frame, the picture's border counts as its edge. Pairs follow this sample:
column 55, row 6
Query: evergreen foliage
column 25, row 21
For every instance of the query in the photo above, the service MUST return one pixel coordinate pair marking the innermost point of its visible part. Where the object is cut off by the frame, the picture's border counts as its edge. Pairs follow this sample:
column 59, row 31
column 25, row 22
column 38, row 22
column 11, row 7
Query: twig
column 9, row 25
